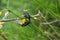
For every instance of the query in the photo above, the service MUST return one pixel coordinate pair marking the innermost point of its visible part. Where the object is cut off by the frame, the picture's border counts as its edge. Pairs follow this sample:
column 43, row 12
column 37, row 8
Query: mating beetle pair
column 26, row 20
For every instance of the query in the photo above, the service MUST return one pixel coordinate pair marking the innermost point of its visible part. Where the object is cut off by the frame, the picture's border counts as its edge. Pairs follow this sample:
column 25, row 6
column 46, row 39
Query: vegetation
column 45, row 27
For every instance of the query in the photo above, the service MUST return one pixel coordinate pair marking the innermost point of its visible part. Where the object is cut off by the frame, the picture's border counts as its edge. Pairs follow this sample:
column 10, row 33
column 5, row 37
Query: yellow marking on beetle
column 22, row 21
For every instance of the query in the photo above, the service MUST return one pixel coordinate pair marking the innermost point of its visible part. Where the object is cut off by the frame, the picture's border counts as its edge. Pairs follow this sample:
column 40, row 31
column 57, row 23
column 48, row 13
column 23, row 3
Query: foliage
column 50, row 10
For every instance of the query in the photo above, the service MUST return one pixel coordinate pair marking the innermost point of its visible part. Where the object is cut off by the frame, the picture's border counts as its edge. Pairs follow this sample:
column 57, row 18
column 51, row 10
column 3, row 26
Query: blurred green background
column 50, row 10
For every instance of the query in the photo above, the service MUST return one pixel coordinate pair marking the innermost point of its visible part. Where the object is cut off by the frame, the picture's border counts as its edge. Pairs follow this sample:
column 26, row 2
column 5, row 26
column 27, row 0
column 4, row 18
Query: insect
column 26, row 20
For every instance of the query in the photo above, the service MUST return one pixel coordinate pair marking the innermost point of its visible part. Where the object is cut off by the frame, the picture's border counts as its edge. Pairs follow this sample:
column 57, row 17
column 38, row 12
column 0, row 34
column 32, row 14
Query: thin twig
column 7, row 20
column 13, row 19
column 50, row 22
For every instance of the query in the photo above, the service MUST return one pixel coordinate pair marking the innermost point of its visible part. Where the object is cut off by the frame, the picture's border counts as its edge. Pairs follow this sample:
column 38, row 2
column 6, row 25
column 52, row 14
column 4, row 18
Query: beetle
column 26, row 20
